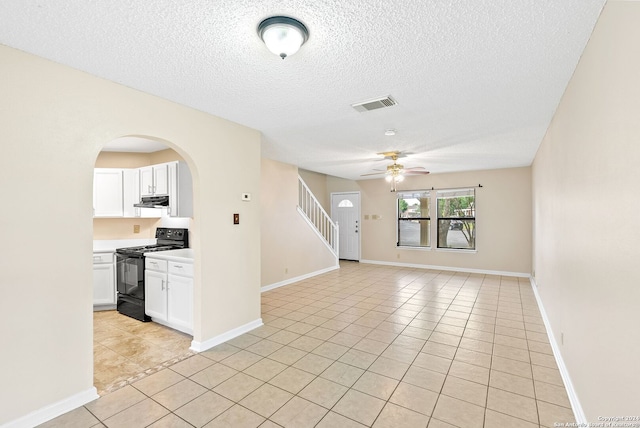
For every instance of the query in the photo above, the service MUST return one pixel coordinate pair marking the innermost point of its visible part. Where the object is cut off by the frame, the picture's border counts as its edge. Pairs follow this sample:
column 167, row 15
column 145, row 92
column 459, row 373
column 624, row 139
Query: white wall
column 55, row 121
column 585, row 190
column 289, row 247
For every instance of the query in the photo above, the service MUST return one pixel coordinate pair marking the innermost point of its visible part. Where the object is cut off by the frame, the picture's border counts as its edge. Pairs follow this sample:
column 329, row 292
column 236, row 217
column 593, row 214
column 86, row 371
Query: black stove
column 130, row 269
column 166, row 239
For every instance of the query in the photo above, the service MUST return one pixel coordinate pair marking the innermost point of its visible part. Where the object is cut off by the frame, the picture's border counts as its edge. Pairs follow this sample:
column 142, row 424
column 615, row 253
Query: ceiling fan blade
column 372, row 173
column 417, row 172
column 414, row 168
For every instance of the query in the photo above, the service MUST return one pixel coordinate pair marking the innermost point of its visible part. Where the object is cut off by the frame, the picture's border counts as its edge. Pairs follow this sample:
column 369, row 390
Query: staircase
column 317, row 217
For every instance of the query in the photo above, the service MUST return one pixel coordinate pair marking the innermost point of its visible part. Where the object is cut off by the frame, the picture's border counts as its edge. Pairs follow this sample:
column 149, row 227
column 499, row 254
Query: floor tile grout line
column 390, row 298
column 362, row 374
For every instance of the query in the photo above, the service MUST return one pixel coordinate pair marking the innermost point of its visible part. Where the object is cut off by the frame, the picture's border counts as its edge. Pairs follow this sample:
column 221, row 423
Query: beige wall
column 289, row 247
column 585, row 179
column 503, row 220
column 122, row 228
column 337, row 184
column 55, row 122
column 135, row 160
column 122, row 160
column 162, row 156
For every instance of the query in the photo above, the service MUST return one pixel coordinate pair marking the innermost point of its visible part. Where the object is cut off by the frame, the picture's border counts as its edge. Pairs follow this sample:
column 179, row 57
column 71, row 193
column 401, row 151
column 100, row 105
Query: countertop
column 184, row 255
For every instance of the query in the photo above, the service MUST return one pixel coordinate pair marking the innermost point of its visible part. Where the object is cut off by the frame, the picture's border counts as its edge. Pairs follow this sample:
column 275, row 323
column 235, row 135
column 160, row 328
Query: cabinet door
column 155, row 299
column 180, row 300
column 104, row 288
column 174, row 200
column 130, row 193
column 161, row 180
column 146, row 181
column 107, row 193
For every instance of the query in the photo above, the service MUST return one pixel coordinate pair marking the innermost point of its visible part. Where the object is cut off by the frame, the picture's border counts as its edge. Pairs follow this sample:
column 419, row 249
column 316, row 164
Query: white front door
column 345, row 210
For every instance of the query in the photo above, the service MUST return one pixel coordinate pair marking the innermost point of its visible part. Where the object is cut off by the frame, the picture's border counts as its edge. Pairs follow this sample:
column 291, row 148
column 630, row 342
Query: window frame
column 416, row 195
column 434, row 220
column 439, row 195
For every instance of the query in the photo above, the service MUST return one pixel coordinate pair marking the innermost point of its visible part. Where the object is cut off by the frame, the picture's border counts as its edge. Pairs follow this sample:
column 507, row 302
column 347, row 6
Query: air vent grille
column 374, row 104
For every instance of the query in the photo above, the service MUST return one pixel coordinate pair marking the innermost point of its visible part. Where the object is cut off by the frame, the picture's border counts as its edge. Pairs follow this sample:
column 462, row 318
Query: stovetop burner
column 166, row 239
column 150, row 249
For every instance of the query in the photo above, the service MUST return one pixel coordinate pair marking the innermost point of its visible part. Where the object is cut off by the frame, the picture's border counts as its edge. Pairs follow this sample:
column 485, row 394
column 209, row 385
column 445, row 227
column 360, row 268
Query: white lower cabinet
column 180, row 303
column 155, row 299
column 104, row 283
column 169, row 295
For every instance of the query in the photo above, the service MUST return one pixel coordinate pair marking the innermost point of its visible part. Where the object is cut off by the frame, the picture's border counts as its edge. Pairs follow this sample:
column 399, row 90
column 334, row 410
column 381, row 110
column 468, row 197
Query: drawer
column 155, row 264
column 100, row 258
column 180, row 268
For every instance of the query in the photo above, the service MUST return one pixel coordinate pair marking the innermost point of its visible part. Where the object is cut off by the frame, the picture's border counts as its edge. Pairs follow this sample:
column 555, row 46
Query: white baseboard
column 581, row 418
column 54, row 410
column 298, row 278
column 221, row 338
column 448, row 268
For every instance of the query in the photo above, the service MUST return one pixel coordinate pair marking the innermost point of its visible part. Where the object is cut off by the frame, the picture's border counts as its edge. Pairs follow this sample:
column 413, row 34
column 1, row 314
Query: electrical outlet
column 236, row 219
column 286, row 270
column 136, row 228
column 398, row 255
column 561, row 338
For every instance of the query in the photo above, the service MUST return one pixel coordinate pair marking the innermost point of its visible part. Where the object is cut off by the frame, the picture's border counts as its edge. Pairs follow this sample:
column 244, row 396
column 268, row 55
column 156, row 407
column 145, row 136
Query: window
column 454, row 224
column 414, row 221
column 345, row 203
column 457, row 219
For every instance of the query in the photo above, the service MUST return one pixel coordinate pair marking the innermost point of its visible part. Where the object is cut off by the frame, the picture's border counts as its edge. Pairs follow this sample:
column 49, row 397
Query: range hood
column 153, row 202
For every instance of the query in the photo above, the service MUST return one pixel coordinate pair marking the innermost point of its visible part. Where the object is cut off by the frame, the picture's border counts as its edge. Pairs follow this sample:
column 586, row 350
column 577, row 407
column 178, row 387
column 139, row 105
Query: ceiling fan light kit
column 283, row 35
column 395, row 172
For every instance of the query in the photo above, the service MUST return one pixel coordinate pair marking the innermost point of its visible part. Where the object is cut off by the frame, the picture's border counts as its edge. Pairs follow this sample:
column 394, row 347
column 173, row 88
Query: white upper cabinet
column 108, row 192
column 180, row 190
column 154, row 180
column 146, row 181
column 116, row 190
column 132, row 196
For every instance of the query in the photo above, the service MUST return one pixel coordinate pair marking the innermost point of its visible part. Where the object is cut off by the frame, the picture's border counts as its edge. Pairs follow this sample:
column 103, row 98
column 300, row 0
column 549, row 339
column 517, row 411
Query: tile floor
column 125, row 349
column 365, row 345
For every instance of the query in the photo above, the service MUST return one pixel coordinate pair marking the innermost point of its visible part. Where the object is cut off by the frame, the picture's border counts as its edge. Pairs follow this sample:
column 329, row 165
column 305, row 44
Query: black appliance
column 130, row 269
column 153, row 202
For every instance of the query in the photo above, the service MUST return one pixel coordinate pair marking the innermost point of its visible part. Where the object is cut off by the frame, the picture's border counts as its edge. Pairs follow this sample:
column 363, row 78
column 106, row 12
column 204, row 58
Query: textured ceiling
column 477, row 81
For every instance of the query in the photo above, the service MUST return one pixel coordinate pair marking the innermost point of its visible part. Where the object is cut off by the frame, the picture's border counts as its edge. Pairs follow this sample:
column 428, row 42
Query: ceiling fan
column 395, row 172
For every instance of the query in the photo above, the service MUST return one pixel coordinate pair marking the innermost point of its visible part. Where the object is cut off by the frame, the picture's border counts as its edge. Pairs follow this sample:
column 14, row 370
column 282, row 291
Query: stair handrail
column 317, row 216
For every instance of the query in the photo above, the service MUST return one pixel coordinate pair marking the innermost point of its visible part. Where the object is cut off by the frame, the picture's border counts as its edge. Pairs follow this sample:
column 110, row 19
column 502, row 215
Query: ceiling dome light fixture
column 283, row 35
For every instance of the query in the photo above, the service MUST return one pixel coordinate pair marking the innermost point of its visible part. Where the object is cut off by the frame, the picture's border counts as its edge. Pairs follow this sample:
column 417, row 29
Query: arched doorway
column 125, row 348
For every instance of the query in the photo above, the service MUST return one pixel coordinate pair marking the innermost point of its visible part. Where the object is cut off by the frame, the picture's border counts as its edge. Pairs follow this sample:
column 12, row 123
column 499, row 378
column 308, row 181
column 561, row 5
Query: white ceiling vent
column 374, row 104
